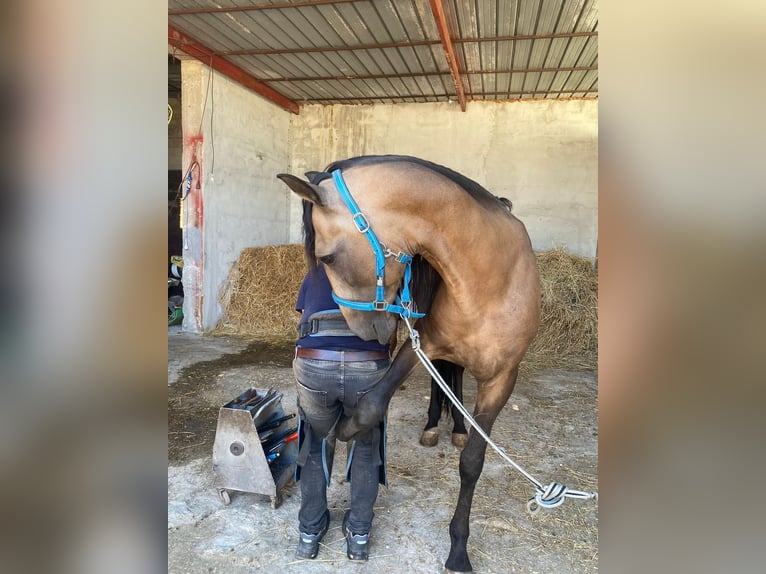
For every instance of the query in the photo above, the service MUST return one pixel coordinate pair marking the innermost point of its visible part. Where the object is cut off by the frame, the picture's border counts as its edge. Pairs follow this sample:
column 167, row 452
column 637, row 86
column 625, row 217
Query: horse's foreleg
column 373, row 405
column 489, row 403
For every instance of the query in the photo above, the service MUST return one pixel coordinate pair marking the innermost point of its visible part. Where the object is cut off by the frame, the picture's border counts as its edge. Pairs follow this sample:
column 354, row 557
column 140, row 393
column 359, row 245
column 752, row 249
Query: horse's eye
column 328, row 259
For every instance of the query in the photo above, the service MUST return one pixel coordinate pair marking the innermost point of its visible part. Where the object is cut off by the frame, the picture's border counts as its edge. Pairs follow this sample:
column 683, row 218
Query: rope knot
column 552, row 496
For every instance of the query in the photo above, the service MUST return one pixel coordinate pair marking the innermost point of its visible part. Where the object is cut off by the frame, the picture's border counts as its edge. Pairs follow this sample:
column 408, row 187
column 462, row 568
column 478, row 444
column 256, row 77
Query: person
column 333, row 368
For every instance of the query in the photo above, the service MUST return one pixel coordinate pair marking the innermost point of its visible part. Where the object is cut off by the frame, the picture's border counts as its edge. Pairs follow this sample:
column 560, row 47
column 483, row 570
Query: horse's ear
column 310, row 175
column 306, row 190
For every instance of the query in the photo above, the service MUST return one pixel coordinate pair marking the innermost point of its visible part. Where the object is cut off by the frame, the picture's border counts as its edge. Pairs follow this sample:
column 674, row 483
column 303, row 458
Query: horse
column 483, row 312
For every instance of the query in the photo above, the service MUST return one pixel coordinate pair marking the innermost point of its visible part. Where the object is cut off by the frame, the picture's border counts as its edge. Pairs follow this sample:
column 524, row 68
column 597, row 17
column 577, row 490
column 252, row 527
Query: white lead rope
column 549, row 496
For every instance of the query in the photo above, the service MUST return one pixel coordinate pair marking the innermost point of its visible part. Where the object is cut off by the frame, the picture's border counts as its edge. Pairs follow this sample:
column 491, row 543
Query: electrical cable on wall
column 212, row 105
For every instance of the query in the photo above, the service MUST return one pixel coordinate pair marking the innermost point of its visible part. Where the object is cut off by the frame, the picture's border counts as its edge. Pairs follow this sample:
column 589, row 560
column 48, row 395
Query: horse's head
column 347, row 255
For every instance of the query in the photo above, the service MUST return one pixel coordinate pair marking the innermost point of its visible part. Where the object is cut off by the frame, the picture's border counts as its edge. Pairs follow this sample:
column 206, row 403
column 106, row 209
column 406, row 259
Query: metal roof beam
column 206, row 56
column 541, row 95
column 441, row 26
column 312, row 49
column 251, row 8
column 276, row 51
column 526, row 37
column 538, row 92
column 423, row 74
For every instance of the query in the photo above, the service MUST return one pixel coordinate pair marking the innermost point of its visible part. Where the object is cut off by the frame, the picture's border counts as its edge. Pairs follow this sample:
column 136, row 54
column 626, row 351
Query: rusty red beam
column 203, row 54
column 441, row 26
column 218, row 9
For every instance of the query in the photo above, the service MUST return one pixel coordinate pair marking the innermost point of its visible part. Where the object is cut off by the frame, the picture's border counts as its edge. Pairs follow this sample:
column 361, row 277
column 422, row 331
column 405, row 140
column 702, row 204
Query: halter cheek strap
column 403, row 302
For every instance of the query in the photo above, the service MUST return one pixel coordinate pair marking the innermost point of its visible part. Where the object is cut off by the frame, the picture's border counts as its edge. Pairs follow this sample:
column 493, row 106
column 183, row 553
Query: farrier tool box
column 255, row 446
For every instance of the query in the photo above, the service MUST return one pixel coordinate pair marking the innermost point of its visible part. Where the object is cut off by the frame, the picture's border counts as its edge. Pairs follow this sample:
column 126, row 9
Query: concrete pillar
column 194, row 76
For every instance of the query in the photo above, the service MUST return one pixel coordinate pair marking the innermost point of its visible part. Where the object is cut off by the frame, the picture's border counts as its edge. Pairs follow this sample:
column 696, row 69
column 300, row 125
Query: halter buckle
column 361, row 223
column 379, row 305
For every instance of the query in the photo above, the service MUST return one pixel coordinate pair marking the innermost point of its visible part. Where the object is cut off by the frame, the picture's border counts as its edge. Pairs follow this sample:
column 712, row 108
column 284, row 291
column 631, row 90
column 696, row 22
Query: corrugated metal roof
column 363, row 51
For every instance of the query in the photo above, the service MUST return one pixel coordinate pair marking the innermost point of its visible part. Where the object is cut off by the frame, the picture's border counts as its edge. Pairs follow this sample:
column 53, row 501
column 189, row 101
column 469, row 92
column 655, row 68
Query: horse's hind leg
column 488, row 404
column 430, row 435
column 459, row 432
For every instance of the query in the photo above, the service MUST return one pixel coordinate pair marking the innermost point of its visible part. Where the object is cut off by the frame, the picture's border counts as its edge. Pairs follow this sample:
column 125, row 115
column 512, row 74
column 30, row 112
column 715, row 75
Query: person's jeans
column 326, row 390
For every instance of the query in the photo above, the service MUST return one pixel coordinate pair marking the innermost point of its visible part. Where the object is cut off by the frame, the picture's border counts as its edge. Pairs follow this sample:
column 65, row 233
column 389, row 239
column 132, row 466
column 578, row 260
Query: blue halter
column 403, row 301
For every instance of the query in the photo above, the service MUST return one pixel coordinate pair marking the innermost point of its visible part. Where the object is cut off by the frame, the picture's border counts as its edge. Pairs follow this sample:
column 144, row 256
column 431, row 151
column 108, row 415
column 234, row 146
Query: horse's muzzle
column 384, row 325
column 369, row 325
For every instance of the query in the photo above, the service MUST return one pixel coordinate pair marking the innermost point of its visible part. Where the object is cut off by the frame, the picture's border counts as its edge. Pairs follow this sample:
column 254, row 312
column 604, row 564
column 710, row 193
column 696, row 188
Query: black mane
column 475, row 190
column 309, row 236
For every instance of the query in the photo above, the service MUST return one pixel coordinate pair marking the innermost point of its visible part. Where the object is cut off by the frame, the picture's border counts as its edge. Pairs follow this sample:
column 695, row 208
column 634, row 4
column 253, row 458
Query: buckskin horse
column 370, row 216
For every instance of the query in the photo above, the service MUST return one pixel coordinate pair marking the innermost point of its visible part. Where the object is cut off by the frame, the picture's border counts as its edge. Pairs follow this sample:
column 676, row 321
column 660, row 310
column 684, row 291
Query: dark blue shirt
column 315, row 295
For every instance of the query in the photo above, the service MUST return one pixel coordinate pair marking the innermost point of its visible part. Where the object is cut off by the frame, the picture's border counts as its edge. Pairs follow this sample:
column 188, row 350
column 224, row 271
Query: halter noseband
column 403, row 301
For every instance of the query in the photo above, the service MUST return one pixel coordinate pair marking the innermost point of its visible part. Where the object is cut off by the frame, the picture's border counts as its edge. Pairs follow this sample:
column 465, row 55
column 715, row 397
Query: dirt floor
column 549, row 427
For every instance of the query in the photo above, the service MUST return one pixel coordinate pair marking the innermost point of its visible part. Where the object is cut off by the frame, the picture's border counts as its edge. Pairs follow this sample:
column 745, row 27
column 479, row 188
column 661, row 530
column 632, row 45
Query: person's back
column 333, row 368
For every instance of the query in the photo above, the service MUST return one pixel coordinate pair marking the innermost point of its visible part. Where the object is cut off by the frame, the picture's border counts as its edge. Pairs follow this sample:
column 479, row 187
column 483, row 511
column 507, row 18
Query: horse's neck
column 464, row 247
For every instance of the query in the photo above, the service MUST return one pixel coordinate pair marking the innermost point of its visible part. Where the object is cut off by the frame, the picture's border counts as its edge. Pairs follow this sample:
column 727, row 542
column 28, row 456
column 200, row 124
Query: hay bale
column 258, row 298
column 568, row 335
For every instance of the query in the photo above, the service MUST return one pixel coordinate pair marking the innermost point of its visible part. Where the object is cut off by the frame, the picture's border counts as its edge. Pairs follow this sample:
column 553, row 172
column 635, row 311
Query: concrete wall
column 242, row 145
column 543, row 155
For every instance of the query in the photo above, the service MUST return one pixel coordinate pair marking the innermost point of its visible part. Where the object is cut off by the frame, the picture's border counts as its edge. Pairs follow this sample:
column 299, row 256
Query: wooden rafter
column 203, row 54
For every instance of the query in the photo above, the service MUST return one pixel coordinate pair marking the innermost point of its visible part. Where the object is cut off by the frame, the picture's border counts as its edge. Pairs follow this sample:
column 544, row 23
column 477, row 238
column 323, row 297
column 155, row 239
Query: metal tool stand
column 239, row 462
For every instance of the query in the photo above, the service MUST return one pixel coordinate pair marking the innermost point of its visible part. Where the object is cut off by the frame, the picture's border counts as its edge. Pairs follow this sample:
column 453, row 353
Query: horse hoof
column 448, row 571
column 429, row 437
column 459, row 439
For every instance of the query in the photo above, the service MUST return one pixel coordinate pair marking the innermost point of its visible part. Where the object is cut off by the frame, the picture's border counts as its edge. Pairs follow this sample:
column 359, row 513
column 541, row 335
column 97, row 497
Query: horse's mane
column 475, row 190
column 309, row 236
column 425, row 281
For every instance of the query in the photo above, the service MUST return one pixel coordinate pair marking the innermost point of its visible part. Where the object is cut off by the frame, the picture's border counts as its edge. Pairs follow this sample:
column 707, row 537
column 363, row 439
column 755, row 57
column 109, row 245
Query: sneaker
column 357, row 545
column 308, row 544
